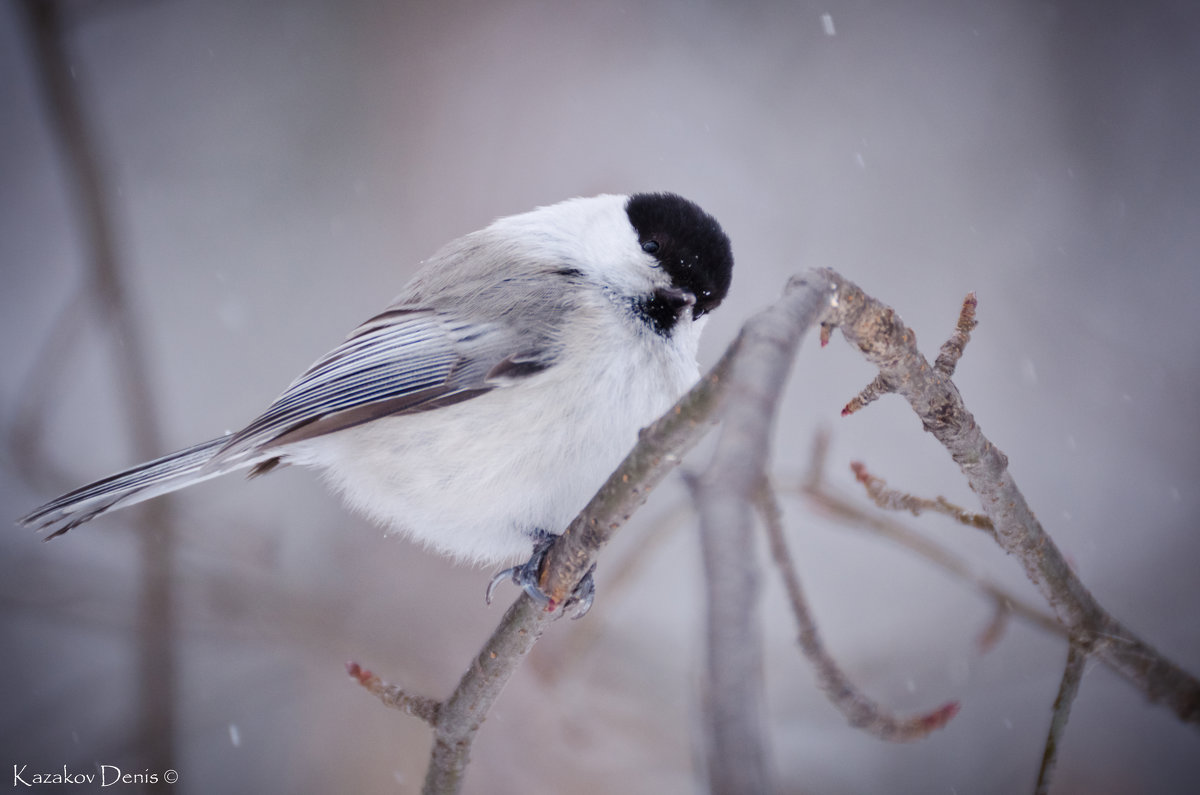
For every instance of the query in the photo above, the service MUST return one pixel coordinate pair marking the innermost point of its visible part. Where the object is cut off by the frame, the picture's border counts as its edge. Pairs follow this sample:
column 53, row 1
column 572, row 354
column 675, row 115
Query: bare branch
column 737, row 753
column 995, row 629
column 618, row 576
column 860, row 711
column 952, row 349
column 393, row 696
column 826, row 500
column 456, row 720
column 879, row 333
column 947, row 360
column 1067, row 689
column 461, row 715
column 814, row 478
column 869, row 394
column 892, row 500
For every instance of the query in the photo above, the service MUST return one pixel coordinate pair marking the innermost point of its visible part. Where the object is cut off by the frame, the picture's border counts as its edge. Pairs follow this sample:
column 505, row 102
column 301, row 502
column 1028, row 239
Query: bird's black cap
column 688, row 243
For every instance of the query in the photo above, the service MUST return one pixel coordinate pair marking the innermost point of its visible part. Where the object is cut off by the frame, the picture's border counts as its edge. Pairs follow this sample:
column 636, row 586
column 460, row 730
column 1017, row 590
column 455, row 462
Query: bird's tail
column 160, row 476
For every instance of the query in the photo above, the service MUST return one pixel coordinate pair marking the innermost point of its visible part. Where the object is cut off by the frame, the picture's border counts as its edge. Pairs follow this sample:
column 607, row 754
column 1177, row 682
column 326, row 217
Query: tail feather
column 160, row 476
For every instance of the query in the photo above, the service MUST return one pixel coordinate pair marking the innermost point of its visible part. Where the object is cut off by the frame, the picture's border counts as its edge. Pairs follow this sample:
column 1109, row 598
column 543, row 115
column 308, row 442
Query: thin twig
column 829, row 502
column 882, row 337
column 952, row 349
column 394, row 696
column 893, row 500
column 1068, row 688
column 878, row 387
column 860, row 711
column 1001, row 614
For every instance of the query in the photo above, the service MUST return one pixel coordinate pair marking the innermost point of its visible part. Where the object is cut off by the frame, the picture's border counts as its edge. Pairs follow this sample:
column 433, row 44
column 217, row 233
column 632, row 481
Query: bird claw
column 527, row 576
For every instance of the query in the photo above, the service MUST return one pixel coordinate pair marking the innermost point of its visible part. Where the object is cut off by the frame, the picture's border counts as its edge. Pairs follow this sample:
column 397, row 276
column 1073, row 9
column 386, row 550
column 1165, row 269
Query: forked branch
column 877, row 331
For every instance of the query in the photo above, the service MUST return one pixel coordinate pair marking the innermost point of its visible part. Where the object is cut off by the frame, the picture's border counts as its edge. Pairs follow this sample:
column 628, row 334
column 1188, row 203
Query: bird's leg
column 528, row 574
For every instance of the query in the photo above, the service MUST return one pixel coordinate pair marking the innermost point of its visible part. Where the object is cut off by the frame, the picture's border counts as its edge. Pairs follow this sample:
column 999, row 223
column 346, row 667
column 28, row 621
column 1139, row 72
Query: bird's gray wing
column 401, row 361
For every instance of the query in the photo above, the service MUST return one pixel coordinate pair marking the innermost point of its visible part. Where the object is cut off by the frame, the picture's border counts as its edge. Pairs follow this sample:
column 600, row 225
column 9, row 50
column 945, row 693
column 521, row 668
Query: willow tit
column 482, row 410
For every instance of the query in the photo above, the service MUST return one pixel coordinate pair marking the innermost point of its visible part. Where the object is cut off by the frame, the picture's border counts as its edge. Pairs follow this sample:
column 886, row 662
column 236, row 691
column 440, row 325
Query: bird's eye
column 650, row 247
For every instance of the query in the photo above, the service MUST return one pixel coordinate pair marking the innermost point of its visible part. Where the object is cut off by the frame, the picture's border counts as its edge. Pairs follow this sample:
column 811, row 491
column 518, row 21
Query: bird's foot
column 528, row 575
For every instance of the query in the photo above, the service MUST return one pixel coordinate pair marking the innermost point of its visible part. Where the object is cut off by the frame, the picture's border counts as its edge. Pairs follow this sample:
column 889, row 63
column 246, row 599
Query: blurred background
column 275, row 172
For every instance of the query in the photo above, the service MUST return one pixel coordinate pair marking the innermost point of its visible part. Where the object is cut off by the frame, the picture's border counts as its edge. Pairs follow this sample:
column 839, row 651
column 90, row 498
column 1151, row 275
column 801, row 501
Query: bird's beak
column 675, row 298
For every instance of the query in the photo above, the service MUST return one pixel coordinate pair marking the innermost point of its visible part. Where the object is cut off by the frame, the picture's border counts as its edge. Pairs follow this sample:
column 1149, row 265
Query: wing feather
column 400, row 361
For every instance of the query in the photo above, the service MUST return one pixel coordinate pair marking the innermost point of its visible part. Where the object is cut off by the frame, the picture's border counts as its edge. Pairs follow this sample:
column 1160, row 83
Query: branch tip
column 870, row 393
column 893, row 500
column 952, row 350
column 996, row 627
column 389, row 695
column 935, row 720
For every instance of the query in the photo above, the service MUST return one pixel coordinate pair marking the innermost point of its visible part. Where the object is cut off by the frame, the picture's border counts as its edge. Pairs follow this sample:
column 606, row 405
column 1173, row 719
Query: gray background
column 277, row 170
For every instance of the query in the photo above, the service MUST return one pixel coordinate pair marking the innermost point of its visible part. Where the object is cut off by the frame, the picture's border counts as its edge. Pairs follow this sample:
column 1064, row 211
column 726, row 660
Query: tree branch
column 893, row 500
column 882, row 337
column 460, row 716
column 860, row 711
column 1072, row 675
column 952, row 349
column 737, row 753
column 824, row 499
column 395, row 697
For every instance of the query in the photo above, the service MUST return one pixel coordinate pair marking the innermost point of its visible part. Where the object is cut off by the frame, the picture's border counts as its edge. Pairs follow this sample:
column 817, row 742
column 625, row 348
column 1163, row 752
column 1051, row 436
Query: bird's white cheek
column 686, row 337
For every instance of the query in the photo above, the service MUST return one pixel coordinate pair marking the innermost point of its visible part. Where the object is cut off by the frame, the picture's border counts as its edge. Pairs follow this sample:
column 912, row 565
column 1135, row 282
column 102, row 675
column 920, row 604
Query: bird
column 479, row 412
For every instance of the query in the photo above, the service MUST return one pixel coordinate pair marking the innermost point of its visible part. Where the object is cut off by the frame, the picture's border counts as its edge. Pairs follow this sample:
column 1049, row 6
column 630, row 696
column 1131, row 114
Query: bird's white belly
column 476, row 480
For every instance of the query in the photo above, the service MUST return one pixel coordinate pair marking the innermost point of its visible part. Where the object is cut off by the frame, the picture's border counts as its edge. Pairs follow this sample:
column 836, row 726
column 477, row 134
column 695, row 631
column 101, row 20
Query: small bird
column 482, row 409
